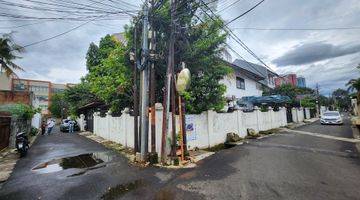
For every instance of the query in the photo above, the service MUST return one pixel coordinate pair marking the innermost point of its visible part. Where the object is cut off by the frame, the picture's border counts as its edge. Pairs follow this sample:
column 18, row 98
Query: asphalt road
column 283, row 166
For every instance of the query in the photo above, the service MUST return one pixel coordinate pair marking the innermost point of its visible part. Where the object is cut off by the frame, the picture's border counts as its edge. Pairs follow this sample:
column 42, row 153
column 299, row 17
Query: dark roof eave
column 91, row 105
column 250, row 74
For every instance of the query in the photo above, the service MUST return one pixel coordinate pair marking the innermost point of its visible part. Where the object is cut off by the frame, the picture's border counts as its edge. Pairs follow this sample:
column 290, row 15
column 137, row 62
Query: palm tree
column 354, row 84
column 8, row 48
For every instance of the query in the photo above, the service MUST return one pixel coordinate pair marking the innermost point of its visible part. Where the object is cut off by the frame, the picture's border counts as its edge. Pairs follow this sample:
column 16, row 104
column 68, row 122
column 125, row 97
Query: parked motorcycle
column 22, row 143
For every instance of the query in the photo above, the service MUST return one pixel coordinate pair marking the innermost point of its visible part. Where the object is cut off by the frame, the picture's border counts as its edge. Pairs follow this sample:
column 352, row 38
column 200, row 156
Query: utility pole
column 145, row 86
column 317, row 99
column 168, row 84
column 136, row 97
column 152, row 87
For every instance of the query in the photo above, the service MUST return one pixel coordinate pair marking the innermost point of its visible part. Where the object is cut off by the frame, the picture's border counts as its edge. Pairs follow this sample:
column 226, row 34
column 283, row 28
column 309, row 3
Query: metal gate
column 289, row 115
column 5, row 123
column 90, row 122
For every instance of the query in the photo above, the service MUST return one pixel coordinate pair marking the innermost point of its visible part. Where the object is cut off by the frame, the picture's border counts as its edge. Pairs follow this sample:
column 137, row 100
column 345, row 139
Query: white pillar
column 257, row 113
column 210, row 125
column 240, row 122
column 294, row 115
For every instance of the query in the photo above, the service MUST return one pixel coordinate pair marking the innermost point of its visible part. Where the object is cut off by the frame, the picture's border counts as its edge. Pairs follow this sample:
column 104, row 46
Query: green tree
column 342, row 99
column 106, row 46
column 354, row 85
column 20, row 110
column 324, row 101
column 59, row 106
column 8, row 48
column 308, row 102
column 78, row 96
column 92, row 56
column 111, row 81
column 290, row 91
column 199, row 45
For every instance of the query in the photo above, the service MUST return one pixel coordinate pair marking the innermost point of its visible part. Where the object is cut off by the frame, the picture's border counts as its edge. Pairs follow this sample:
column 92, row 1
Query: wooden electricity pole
column 152, row 83
column 168, row 85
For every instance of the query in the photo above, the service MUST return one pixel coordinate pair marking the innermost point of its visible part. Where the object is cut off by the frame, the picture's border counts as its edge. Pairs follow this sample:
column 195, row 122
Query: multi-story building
column 248, row 79
column 42, row 90
column 242, row 83
column 7, row 96
column 301, row 82
column 268, row 76
column 289, row 79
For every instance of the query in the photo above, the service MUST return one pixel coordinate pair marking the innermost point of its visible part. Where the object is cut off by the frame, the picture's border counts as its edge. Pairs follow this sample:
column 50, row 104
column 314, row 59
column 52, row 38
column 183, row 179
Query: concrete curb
column 306, row 122
column 356, row 135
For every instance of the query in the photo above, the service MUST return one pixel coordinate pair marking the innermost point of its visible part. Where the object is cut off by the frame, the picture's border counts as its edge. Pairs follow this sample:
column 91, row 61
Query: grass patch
column 252, row 136
column 269, row 132
column 216, row 148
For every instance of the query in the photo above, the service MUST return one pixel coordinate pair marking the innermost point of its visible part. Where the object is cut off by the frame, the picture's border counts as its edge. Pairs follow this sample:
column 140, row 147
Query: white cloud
column 63, row 59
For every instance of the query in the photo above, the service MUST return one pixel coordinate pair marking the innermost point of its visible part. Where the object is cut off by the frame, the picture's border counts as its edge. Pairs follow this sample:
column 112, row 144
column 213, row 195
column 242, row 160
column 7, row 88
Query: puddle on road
column 120, row 190
column 79, row 162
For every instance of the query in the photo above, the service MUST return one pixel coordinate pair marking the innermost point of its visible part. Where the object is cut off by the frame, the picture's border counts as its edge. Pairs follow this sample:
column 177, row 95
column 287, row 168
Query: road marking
column 323, row 136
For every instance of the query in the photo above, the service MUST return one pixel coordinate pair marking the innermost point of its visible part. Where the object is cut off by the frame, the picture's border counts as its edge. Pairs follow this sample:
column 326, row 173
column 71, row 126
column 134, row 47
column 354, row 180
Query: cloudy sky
column 327, row 57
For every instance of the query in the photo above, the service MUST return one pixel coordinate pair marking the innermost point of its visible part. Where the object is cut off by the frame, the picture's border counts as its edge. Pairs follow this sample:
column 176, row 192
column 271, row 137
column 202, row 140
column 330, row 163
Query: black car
column 64, row 126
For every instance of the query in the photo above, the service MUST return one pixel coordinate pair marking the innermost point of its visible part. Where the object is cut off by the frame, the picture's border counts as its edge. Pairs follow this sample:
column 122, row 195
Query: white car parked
column 331, row 117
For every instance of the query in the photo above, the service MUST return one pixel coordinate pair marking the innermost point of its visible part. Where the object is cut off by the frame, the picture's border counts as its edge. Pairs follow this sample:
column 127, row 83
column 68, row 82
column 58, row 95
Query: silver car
column 331, row 117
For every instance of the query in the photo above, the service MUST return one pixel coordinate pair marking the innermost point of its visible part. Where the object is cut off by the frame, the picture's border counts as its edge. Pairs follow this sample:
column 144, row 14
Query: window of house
column 240, row 83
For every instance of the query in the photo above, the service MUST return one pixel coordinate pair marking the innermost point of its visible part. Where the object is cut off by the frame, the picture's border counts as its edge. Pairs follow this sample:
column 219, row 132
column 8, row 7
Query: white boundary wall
column 204, row 130
column 36, row 121
column 298, row 114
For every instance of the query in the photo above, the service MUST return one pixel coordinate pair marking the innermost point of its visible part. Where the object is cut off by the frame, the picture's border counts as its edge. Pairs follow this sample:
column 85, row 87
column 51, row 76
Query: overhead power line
column 246, row 12
column 83, row 12
column 228, row 6
column 247, row 63
column 298, row 29
column 235, row 37
column 58, row 35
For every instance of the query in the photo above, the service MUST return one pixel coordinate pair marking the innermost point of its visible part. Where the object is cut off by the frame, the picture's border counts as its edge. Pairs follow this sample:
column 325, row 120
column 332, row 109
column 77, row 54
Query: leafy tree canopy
column 111, row 81
column 308, row 102
column 106, row 46
column 59, row 106
column 92, row 56
column 199, row 45
column 19, row 110
column 342, row 99
column 78, row 96
column 292, row 92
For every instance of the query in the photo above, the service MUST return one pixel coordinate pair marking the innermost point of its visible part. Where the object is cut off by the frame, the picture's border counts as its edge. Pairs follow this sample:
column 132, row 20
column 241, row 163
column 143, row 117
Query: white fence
column 297, row 115
column 204, row 130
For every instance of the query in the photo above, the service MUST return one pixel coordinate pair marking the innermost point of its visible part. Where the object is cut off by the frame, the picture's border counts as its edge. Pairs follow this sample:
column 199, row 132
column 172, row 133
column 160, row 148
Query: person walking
column 50, row 125
column 71, row 126
column 43, row 127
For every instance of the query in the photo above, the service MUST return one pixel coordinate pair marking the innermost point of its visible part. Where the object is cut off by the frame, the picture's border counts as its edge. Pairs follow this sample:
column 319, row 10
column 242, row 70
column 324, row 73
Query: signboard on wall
column 190, row 128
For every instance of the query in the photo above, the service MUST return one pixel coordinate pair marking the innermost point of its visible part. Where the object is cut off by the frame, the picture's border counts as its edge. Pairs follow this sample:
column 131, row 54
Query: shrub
column 20, row 110
column 33, row 131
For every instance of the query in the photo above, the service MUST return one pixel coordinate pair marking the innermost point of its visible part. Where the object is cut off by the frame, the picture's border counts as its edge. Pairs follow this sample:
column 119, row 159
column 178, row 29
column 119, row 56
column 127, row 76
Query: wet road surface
column 283, row 166
column 45, row 174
